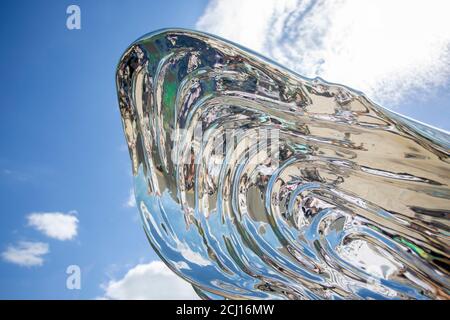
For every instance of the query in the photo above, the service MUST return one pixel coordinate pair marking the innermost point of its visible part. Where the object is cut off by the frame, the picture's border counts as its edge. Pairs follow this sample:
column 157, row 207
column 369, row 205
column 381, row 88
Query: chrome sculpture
column 254, row 182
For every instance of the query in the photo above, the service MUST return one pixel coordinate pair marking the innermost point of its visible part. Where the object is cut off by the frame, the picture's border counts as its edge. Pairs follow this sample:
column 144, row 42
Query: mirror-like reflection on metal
column 254, row 182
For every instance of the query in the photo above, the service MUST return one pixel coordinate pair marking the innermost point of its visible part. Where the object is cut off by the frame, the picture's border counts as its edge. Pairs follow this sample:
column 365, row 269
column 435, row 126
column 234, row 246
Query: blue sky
column 62, row 144
column 62, row 141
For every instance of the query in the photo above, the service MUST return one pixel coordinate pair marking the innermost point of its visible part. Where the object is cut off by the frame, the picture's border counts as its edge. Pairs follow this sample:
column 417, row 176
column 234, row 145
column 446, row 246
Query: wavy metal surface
column 254, row 182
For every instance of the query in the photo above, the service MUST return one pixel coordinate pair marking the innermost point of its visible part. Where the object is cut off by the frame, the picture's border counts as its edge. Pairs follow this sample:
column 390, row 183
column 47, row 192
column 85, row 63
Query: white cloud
column 58, row 225
column 387, row 49
column 192, row 256
column 150, row 281
column 131, row 201
column 26, row 253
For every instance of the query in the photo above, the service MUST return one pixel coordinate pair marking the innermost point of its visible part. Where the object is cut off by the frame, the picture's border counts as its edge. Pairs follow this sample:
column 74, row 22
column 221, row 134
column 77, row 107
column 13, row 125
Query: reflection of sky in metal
column 347, row 199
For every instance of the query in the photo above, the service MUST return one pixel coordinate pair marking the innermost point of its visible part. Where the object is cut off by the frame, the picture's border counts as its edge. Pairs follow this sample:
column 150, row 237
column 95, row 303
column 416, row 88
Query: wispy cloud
column 152, row 280
column 387, row 49
column 131, row 201
column 15, row 175
column 26, row 253
column 57, row 225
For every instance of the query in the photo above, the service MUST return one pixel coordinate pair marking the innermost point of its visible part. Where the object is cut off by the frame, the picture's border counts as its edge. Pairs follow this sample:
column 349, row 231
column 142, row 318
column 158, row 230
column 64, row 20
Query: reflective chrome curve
column 254, row 182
